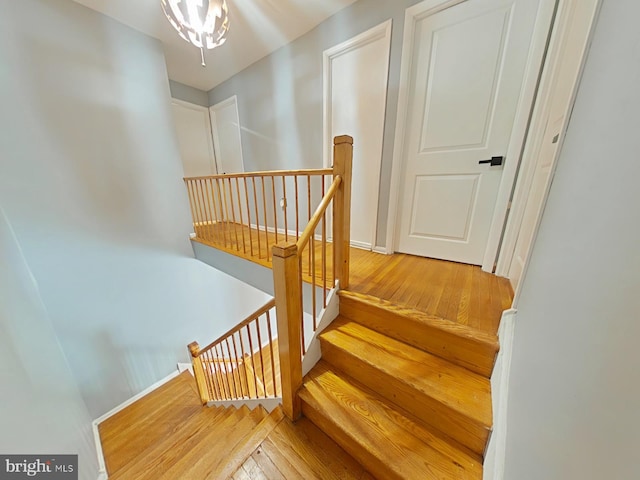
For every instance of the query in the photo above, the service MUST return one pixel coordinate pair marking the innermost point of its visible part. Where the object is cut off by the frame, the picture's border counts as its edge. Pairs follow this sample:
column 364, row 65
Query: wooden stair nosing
column 378, row 436
column 430, row 388
column 463, row 345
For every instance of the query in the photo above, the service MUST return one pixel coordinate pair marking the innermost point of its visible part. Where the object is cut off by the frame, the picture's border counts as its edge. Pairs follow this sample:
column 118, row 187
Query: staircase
column 405, row 393
column 168, row 434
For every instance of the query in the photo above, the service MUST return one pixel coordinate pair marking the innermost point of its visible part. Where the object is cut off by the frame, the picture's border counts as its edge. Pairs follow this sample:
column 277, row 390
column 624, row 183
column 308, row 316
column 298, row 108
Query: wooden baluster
column 255, row 201
column 187, row 184
column 223, row 219
column 295, row 180
column 244, row 245
column 212, row 208
column 288, row 294
column 312, row 247
column 273, row 363
column 264, row 383
column 246, row 194
column 198, row 372
column 342, row 166
column 244, row 363
column 284, row 196
column 309, row 217
column 232, row 378
column 324, row 251
column 304, row 342
column 233, row 214
column 222, row 372
column 253, row 363
column 264, row 210
column 199, row 208
column 237, row 369
column 205, row 209
column 275, row 211
column 214, row 376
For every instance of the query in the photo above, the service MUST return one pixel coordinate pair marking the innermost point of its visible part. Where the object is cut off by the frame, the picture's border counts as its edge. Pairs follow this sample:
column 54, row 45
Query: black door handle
column 494, row 161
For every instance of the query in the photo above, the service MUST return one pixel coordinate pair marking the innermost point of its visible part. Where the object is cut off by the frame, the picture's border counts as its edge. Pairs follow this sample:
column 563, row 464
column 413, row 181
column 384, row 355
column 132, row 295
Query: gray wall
column 188, row 94
column 90, row 180
column 280, row 96
column 574, row 389
column 42, row 410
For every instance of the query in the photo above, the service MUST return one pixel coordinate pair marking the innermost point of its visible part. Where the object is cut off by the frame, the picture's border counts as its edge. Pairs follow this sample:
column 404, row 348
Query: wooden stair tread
column 452, row 385
column 243, row 450
column 466, row 346
column 387, row 443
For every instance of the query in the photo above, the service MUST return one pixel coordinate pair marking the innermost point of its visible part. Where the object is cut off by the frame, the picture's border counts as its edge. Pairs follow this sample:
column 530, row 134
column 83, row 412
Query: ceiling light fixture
column 203, row 23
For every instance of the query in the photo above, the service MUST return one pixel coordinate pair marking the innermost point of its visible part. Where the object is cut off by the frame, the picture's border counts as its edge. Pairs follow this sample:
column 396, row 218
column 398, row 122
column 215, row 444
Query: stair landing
column 168, row 434
column 457, row 292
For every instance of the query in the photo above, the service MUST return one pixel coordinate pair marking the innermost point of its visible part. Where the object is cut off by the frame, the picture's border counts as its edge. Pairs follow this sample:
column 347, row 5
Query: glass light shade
column 203, row 23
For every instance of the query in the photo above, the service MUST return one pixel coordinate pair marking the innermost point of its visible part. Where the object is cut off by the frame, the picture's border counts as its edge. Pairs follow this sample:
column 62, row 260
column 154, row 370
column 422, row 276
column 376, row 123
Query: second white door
column 355, row 95
column 467, row 66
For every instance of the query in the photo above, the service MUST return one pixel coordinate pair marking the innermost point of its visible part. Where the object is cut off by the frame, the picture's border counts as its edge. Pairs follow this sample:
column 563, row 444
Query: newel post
column 198, row 371
column 343, row 166
column 288, row 293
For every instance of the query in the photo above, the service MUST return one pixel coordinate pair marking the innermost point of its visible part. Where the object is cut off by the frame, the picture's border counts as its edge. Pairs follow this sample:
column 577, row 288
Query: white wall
column 91, row 183
column 574, row 389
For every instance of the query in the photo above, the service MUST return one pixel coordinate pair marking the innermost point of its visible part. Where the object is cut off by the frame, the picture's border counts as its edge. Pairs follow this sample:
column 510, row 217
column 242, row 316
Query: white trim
column 535, row 137
column 536, row 51
column 207, row 112
column 214, row 131
column 328, row 315
column 526, row 105
column 381, row 31
column 102, row 469
column 382, row 250
column 495, row 456
column 269, row 404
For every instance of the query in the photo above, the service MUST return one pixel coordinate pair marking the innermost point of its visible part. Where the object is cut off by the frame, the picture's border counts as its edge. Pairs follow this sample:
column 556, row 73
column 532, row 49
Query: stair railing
column 288, row 259
column 241, row 364
column 247, row 213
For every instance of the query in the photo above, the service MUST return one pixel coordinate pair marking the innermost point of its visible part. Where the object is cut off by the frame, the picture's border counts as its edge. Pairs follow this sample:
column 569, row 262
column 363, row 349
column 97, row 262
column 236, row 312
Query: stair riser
column 437, row 415
column 475, row 355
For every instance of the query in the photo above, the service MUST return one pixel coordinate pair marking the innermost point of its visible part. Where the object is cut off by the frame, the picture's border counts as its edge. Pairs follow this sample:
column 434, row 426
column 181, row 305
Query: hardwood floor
column 453, row 291
column 169, row 435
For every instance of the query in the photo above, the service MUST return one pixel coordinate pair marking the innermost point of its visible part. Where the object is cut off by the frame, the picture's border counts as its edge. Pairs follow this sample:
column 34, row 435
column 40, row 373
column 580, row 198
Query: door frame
column 533, row 69
column 206, row 112
column 381, row 31
column 214, row 131
column 532, row 148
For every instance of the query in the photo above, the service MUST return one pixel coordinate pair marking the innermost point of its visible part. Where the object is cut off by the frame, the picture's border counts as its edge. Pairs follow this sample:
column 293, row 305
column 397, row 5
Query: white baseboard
column 495, row 455
column 102, row 469
column 327, row 316
column 269, row 404
column 383, row 250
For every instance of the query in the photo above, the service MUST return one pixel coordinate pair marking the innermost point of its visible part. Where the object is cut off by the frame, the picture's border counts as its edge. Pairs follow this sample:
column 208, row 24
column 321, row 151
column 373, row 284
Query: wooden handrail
column 267, row 173
column 227, row 370
column 262, row 310
column 319, row 213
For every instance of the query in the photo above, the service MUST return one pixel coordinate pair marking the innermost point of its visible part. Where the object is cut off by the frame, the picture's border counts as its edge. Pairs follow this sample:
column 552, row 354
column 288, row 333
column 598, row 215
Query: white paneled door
column 355, row 96
column 193, row 129
column 466, row 69
column 225, row 123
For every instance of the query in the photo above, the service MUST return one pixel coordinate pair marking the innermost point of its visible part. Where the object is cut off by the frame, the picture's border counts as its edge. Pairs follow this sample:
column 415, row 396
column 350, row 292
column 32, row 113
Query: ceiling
column 257, row 28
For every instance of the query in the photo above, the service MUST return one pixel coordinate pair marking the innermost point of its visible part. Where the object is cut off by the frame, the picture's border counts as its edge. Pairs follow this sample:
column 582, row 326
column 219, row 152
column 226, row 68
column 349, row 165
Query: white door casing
column 227, row 142
column 463, row 94
column 567, row 52
column 193, row 129
column 225, row 125
column 355, row 94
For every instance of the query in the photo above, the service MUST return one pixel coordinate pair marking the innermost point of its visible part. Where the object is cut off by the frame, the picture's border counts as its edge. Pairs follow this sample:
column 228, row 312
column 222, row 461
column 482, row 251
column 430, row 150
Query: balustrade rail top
column 268, row 173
